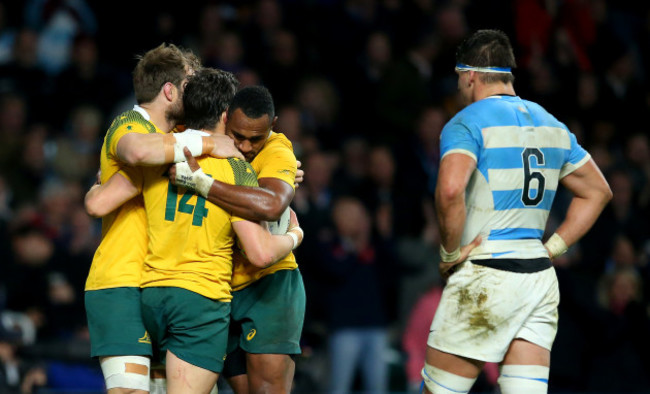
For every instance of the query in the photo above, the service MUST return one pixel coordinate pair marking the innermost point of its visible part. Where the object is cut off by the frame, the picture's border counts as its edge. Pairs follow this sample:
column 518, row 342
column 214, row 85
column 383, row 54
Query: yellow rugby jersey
column 119, row 257
column 275, row 160
column 190, row 239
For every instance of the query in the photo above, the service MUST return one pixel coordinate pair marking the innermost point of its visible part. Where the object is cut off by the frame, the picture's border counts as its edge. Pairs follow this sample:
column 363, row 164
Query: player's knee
column 127, row 373
column 531, row 379
column 438, row 381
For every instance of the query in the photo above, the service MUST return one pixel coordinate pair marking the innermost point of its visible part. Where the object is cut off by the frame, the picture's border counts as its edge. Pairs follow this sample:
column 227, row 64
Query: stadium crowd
column 362, row 88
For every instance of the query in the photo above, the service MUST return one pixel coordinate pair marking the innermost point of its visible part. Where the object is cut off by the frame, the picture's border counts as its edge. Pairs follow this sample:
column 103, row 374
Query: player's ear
column 275, row 119
column 168, row 90
column 224, row 117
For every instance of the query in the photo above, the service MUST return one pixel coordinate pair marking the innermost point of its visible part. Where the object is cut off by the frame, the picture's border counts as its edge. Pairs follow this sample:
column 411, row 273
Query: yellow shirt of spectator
column 190, row 239
column 119, row 257
column 275, row 160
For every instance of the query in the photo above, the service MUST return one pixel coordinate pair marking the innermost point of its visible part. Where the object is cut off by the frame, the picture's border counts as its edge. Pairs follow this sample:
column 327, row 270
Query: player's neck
column 158, row 116
column 220, row 128
column 494, row 89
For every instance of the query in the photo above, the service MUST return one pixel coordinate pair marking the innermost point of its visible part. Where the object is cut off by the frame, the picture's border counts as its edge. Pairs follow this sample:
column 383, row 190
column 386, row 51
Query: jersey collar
column 142, row 112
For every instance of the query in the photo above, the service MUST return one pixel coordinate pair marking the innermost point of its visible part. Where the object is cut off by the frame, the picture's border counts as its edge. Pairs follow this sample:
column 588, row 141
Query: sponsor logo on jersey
column 145, row 338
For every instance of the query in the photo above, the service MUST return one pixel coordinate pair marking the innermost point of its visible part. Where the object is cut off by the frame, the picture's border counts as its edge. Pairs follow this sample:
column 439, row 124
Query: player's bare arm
column 155, row 149
column 266, row 202
column 455, row 172
column 263, row 248
column 105, row 198
column 591, row 193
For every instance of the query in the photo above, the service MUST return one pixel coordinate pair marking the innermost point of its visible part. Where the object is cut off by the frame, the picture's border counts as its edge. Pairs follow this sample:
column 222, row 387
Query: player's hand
column 191, row 161
column 188, row 174
column 446, row 269
column 294, row 229
column 194, row 165
column 224, row 147
column 293, row 219
column 300, row 175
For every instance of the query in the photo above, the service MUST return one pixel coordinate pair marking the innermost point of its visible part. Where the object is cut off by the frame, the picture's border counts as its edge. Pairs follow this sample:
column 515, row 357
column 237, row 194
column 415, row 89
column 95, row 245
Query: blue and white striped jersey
column 521, row 153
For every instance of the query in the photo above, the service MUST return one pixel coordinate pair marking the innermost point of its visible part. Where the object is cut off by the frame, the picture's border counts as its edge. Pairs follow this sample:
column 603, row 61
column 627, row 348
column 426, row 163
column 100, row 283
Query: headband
column 500, row 70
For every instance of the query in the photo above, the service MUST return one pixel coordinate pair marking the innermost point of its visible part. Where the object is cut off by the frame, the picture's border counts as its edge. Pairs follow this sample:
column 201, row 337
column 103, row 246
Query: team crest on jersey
column 145, row 338
column 251, row 334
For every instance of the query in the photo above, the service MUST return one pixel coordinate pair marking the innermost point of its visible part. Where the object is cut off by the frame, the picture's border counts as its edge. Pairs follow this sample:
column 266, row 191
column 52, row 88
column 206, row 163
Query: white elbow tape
column 197, row 180
column 128, row 372
column 448, row 257
column 556, row 245
column 194, row 143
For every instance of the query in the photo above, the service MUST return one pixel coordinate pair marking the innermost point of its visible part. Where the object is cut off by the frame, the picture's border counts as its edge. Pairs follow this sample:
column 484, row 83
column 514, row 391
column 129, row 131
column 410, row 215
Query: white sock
column 529, row 379
column 443, row 382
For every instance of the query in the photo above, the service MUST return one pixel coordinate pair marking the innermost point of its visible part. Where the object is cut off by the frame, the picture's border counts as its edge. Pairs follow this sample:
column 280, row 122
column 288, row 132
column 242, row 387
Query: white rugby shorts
column 483, row 309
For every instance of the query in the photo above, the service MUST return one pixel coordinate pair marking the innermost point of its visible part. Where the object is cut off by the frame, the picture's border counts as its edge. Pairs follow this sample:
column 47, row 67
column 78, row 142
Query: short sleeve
column 135, row 175
column 244, row 176
column 457, row 138
column 129, row 122
column 280, row 163
column 577, row 156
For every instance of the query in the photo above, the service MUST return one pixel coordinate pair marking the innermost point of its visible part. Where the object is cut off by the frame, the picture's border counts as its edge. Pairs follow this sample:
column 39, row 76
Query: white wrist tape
column 197, row 180
column 194, row 143
column 296, row 240
column 447, row 257
column 556, row 245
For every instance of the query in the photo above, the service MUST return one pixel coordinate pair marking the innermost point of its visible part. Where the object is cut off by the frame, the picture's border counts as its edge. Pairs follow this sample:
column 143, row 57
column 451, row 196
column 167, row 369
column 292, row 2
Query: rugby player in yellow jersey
column 119, row 338
column 268, row 304
column 188, row 267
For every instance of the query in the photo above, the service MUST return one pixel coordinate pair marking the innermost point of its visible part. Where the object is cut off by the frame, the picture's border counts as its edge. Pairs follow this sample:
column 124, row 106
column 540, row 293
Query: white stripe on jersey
column 525, row 137
column 521, row 248
column 520, row 218
column 463, row 151
column 513, row 178
column 569, row 168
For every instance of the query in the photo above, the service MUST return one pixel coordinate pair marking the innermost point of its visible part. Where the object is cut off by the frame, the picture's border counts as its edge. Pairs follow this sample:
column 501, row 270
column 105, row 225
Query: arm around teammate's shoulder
column 141, row 149
column 591, row 193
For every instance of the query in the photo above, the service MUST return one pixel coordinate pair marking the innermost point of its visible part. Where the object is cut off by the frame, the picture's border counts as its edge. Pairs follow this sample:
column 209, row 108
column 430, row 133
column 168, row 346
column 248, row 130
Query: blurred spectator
column 7, row 36
column 27, row 172
column 13, row 118
column 619, row 364
column 77, row 153
column 407, row 85
column 229, row 54
column 85, row 82
column 284, row 69
column 355, row 273
column 58, row 22
column 319, row 106
column 22, row 75
column 350, row 176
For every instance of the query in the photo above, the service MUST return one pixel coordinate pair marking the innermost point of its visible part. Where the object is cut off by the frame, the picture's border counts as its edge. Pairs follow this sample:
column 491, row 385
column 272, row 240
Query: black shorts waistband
column 522, row 266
